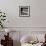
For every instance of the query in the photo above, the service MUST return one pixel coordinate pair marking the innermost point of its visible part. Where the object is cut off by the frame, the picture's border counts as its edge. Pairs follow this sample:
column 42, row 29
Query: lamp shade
column 7, row 30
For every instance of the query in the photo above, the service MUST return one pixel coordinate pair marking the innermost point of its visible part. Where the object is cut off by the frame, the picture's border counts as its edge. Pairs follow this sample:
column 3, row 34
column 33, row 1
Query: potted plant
column 2, row 19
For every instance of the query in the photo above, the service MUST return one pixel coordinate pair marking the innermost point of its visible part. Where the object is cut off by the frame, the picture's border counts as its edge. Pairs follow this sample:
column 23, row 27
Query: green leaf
column 3, row 19
column 2, row 26
column 4, row 16
column 4, row 13
column 0, row 21
column 1, row 16
column 0, row 12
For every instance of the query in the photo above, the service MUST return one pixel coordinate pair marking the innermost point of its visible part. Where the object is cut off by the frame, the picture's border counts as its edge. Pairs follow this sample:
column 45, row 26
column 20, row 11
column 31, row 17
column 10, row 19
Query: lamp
column 7, row 31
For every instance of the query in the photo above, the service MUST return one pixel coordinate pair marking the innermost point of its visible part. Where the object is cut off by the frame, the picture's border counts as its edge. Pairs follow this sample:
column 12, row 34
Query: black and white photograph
column 24, row 11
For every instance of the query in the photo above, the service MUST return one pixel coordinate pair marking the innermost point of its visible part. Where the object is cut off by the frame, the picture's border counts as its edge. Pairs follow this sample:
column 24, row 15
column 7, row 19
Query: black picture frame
column 24, row 11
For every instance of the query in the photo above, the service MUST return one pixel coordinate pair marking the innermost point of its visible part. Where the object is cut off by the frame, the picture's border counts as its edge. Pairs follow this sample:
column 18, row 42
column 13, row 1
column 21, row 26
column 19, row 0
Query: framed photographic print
column 24, row 11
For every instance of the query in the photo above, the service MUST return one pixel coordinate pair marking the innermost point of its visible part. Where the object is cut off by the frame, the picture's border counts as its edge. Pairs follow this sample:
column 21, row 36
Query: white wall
column 37, row 13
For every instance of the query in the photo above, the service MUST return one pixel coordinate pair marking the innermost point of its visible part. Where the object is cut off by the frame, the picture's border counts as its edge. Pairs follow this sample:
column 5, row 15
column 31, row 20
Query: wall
column 37, row 13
